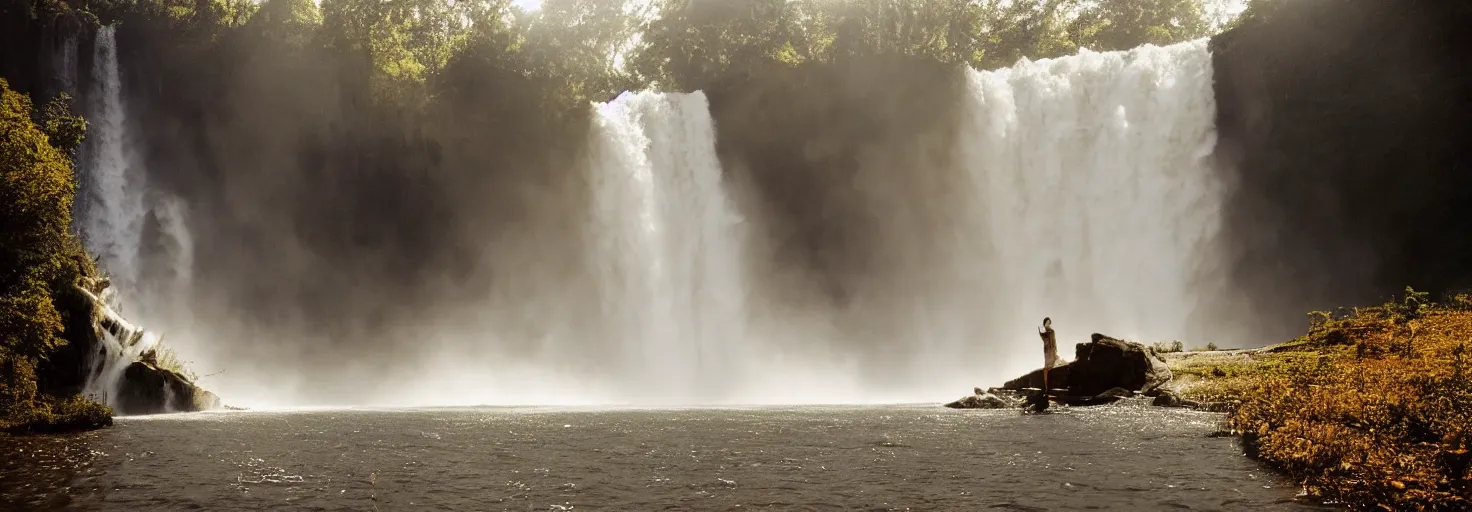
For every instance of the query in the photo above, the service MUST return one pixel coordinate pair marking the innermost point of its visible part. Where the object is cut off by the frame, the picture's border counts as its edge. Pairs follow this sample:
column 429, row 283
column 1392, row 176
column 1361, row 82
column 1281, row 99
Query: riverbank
column 73, row 414
column 1371, row 408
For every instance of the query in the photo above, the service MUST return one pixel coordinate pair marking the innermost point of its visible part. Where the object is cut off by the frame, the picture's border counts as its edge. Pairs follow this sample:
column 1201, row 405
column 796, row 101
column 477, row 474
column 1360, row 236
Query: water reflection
column 41, row 472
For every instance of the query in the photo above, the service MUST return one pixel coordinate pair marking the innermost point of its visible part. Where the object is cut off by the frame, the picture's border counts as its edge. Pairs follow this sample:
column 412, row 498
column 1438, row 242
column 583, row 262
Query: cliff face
column 814, row 143
column 1345, row 128
column 32, row 37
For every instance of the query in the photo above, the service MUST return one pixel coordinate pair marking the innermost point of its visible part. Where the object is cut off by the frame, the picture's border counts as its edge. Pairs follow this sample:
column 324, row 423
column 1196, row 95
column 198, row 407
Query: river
column 1121, row 457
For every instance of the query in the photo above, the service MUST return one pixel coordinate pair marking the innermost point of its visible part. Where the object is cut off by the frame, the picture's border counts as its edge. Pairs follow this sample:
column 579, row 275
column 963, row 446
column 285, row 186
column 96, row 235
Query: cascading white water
column 1096, row 194
column 1087, row 196
column 112, row 219
column 669, row 244
column 123, row 343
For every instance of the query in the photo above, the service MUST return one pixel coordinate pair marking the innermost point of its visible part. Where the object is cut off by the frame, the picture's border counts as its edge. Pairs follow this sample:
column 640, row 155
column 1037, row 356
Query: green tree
column 694, row 42
column 292, row 22
column 379, row 35
column 1124, row 24
column 64, row 129
column 36, row 190
column 1014, row 30
column 578, row 47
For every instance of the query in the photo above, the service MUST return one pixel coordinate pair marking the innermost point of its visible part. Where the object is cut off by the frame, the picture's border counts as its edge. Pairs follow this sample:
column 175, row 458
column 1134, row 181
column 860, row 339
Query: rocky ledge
column 147, row 389
column 142, row 385
column 1104, row 370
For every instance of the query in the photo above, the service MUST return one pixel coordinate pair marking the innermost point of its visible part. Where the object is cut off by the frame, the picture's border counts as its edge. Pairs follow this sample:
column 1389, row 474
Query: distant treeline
column 586, row 49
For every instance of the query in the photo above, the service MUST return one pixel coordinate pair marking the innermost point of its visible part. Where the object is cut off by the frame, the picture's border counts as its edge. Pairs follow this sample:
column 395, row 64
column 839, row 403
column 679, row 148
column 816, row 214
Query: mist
column 325, row 222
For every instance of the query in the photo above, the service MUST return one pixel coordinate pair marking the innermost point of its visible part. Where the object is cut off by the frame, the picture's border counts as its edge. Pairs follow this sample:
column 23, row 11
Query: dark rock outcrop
column 985, row 400
column 1099, row 367
column 1109, row 396
column 1106, row 363
column 1057, row 379
column 146, row 389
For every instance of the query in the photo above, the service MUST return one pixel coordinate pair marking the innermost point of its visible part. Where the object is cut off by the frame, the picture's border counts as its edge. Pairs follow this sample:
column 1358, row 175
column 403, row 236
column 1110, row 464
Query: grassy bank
column 1372, row 409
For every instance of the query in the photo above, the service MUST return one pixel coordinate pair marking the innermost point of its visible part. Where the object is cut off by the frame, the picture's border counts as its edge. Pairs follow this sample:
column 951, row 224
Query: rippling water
column 1123, row 457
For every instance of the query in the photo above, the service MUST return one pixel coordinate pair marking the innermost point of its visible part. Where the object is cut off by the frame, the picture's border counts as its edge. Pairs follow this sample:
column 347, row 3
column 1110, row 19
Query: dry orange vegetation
column 1374, row 411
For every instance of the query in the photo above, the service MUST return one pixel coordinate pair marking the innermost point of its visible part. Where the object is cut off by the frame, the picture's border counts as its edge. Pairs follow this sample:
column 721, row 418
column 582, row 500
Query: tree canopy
column 591, row 49
column 36, row 190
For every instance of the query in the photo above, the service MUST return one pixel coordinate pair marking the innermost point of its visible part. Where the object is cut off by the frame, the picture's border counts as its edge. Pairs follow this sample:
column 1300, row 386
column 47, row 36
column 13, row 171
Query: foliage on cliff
column 38, row 257
column 1371, row 408
column 596, row 47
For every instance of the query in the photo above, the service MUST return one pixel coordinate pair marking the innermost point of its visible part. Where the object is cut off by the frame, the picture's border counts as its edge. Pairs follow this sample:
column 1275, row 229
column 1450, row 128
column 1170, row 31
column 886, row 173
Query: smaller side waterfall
column 112, row 218
column 669, row 243
column 111, row 221
column 66, row 65
column 125, row 370
column 115, row 211
column 122, row 344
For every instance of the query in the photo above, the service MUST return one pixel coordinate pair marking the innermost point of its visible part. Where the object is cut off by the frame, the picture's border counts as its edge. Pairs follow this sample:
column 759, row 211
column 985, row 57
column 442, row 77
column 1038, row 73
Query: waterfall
column 112, row 217
column 66, row 64
column 1081, row 189
column 1095, row 202
column 114, row 209
column 1078, row 188
column 123, row 343
column 670, row 254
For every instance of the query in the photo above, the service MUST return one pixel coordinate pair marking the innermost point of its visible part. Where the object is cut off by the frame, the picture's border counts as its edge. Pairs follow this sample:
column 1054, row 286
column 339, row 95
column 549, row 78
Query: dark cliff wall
column 1345, row 126
column 851, row 169
column 821, row 147
column 32, row 35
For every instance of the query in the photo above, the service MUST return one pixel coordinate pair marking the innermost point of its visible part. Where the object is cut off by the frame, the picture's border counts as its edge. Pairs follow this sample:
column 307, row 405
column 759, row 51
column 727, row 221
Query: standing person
column 1050, row 349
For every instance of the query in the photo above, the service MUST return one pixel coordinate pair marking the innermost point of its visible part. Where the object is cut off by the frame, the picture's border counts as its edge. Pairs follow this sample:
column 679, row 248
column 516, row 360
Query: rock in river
column 1101, row 365
column 983, row 400
column 146, row 389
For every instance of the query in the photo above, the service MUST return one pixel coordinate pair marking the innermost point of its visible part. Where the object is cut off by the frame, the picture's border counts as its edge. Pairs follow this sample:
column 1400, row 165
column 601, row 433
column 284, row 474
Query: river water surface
column 1122, row 457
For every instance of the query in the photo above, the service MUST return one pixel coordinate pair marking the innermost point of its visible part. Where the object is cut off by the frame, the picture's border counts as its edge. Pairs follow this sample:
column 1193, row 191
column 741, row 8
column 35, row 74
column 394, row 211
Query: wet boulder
column 1106, row 363
column 1169, row 399
column 146, row 389
column 1057, row 379
column 983, row 400
column 1099, row 367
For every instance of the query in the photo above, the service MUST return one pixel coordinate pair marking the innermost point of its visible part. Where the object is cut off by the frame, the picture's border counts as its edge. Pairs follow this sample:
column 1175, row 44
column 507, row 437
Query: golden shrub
column 1381, row 419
